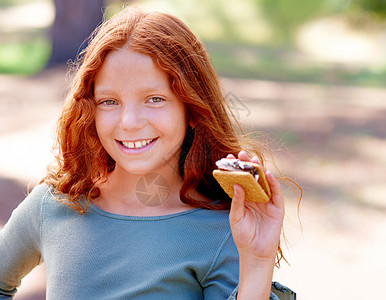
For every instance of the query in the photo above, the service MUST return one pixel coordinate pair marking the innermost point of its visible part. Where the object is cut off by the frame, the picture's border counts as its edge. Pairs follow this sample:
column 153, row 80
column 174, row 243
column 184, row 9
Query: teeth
column 137, row 144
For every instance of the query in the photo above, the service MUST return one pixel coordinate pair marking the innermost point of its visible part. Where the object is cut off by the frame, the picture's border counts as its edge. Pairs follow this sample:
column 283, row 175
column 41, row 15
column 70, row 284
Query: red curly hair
column 82, row 161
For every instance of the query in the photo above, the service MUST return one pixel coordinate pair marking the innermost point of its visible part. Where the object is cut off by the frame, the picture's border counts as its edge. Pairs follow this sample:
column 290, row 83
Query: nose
column 131, row 118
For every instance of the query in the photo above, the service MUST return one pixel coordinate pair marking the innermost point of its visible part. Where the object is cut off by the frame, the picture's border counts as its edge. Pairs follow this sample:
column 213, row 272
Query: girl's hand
column 256, row 227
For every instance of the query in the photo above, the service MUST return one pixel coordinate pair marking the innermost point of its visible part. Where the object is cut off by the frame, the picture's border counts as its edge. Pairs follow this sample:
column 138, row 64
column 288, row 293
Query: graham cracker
column 254, row 191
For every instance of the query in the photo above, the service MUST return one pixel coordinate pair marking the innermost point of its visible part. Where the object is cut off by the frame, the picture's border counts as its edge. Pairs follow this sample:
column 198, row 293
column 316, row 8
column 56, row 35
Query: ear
column 192, row 123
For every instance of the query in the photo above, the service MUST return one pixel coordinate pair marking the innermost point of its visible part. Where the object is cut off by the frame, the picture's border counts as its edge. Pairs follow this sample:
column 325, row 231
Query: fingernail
column 235, row 191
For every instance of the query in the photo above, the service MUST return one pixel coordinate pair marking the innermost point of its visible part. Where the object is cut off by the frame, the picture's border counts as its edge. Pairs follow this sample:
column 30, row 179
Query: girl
column 131, row 210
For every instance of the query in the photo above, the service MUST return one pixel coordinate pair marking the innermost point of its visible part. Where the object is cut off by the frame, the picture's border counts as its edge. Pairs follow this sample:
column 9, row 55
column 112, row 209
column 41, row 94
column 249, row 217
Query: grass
column 24, row 58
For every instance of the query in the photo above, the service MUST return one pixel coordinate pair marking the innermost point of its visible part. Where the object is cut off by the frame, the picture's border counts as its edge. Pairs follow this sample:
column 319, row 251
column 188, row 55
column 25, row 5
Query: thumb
column 237, row 206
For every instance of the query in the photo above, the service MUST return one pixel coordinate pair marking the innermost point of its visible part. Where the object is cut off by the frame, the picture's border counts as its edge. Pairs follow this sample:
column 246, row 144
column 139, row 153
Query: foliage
column 377, row 7
column 271, row 63
column 9, row 3
column 242, row 37
column 24, row 58
column 285, row 16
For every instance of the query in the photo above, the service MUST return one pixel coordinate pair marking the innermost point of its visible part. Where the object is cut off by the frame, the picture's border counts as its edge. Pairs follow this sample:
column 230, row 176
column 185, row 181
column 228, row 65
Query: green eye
column 156, row 100
column 108, row 102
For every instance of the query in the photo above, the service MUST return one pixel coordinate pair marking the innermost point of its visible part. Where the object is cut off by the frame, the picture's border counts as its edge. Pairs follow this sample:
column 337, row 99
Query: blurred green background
column 309, row 74
column 326, row 41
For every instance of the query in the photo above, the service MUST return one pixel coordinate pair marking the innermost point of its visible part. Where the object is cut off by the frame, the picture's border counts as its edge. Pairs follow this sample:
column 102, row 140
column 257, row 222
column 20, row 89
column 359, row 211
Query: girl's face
column 140, row 122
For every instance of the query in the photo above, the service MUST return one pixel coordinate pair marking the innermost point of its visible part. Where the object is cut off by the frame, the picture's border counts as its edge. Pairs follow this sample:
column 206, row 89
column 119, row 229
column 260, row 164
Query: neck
column 146, row 194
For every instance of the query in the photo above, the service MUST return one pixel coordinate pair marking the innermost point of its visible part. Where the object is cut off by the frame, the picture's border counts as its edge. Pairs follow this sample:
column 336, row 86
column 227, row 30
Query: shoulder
column 32, row 204
column 211, row 228
column 40, row 194
column 25, row 221
column 202, row 226
column 213, row 219
column 46, row 199
column 40, row 190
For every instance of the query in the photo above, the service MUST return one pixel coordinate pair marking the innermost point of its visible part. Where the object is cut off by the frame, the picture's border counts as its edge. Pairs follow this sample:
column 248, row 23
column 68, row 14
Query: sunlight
column 23, row 17
column 332, row 40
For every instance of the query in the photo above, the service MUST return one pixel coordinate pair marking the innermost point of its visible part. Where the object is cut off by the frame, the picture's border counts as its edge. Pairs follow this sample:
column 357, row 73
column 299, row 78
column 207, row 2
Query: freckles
column 98, row 123
column 103, row 119
column 102, row 129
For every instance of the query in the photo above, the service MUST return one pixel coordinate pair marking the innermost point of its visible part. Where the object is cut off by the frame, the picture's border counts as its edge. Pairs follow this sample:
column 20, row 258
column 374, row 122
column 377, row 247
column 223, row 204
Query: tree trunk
column 75, row 20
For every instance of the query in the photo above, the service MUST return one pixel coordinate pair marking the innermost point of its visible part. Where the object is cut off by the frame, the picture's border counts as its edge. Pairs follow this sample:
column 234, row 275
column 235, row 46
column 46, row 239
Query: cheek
column 102, row 125
column 98, row 123
column 173, row 122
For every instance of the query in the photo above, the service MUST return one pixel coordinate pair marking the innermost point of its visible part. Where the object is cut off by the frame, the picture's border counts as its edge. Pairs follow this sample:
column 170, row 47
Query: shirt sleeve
column 281, row 292
column 20, row 242
column 221, row 280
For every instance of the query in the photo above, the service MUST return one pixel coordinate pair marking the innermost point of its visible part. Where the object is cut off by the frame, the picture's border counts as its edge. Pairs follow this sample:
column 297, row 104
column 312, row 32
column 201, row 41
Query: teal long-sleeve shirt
column 100, row 255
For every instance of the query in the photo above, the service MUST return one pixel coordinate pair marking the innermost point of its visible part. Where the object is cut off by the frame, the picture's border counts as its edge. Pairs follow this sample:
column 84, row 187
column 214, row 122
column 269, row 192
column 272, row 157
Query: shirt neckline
column 107, row 214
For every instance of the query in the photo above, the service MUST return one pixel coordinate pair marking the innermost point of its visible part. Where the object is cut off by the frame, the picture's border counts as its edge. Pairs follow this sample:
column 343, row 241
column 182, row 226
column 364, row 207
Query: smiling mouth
column 137, row 144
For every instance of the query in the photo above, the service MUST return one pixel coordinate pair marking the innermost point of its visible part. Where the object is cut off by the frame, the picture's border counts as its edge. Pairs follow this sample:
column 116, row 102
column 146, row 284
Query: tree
column 74, row 21
column 285, row 16
column 375, row 7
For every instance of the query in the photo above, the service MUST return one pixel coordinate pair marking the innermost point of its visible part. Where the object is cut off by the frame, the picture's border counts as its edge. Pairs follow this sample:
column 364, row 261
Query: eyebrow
column 102, row 90
column 146, row 89
column 156, row 87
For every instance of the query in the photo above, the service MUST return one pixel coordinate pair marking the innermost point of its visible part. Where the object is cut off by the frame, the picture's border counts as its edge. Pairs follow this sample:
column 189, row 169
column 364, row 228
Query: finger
column 277, row 197
column 256, row 160
column 230, row 156
column 237, row 206
column 243, row 156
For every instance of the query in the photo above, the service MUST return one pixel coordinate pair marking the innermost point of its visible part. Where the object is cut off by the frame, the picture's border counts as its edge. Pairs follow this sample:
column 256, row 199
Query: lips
column 138, row 144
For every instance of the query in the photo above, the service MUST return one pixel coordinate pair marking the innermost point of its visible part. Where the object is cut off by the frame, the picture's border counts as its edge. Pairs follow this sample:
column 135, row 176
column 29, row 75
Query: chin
column 135, row 170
